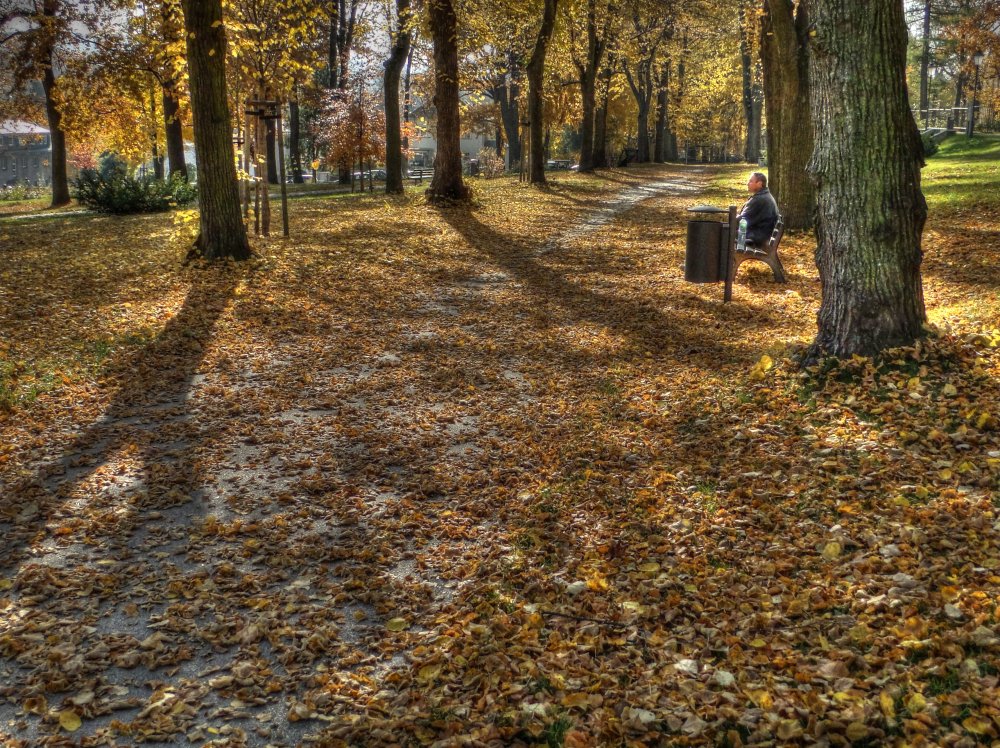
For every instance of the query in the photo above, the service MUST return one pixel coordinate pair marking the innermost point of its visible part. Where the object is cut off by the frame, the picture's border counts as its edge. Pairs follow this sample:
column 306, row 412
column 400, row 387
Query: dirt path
column 176, row 625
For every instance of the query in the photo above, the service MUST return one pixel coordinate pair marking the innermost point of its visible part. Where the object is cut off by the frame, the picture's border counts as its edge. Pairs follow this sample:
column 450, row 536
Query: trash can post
column 727, row 295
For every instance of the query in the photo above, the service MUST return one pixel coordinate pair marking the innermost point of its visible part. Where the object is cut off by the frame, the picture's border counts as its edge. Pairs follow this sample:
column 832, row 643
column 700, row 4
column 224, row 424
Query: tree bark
column 393, row 72
column 536, row 102
column 925, row 60
column 508, row 96
column 447, row 183
column 57, row 138
column 295, row 141
column 172, row 25
column 660, row 129
column 272, row 155
column 784, row 51
column 588, row 88
column 752, row 95
column 601, row 121
column 174, row 134
column 222, row 231
column 866, row 166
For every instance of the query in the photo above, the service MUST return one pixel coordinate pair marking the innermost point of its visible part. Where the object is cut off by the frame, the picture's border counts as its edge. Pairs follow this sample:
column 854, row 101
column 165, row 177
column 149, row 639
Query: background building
column 25, row 153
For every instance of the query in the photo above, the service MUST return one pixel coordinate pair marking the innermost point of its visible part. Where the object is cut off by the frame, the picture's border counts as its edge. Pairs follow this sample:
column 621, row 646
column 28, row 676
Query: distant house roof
column 20, row 127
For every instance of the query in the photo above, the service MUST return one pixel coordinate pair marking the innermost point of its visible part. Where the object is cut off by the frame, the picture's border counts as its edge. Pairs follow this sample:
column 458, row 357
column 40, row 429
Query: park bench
column 767, row 254
column 421, row 174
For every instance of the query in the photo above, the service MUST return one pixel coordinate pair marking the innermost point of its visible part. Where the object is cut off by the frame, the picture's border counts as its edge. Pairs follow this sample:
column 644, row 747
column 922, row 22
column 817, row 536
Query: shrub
column 110, row 189
column 17, row 192
column 490, row 164
column 930, row 145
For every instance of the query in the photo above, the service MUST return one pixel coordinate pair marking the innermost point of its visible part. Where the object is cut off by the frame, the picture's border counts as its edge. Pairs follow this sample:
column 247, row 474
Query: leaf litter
column 446, row 477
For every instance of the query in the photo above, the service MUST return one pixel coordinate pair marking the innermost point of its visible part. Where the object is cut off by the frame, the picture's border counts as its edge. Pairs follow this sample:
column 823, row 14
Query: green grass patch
column 963, row 175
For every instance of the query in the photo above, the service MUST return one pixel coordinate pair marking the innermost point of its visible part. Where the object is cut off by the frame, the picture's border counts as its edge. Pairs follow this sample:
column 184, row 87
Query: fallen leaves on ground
column 423, row 476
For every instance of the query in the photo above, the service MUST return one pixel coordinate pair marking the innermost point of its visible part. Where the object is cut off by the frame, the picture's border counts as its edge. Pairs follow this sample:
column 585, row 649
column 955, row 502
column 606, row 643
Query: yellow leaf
column 949, row 390
column 977, row 726
column 758, row 643
column 69, row 720
column 945, row 474
column 950, row 594
column 915, row 702
column 650, row 567
column 397, row 624
column 831, row 551
column 857, row 731
column 887, row 703
column 428, row 673
column 577, row 699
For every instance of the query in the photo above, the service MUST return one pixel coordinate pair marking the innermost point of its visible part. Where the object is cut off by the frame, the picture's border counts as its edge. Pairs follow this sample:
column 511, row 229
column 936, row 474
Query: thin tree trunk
column 393, row 71
column 154, row 145
column 536, row 101
column 295, row 141
column 508, row 97
column 406, row 112
column 784, row 50
column 447, row 183
column 601, row 121
column 866, row 166
column 752, row 104
column 57, row 138
column 272, row 154
column 660, row 131
column 925, row 61
column 174, row 134
column 222, row 231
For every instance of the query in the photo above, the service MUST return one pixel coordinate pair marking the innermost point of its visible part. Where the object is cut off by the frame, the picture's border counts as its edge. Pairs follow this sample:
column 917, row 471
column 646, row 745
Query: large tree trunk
column 447, row 183
column 642, row 136
column 222, row 231
column 536, row 101
column 295, row 141
column 393, row 72
column 866, row 166
column 57, row 138
column 588, row 88
column 784, row 51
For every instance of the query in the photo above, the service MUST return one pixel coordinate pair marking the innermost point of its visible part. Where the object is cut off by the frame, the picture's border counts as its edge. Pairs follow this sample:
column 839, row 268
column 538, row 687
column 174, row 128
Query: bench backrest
column 779, row 230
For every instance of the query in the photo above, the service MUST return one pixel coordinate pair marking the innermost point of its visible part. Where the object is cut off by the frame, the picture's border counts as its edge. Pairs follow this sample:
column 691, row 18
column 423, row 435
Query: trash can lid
column 707, row 209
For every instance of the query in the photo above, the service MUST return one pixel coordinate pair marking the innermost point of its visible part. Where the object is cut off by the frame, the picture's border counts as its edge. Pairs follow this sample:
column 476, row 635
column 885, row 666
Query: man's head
column 757, row 182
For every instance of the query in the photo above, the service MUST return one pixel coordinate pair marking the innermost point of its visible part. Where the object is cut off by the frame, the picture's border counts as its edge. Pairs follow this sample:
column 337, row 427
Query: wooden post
column 731, row 254
column 281, row 172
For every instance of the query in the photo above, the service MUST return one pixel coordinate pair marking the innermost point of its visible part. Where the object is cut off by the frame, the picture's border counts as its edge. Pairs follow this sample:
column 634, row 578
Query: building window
column 3, row 163
column 34, row 162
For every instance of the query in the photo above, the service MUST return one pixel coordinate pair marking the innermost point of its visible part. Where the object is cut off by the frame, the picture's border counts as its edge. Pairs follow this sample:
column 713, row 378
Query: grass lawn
column 493, row 476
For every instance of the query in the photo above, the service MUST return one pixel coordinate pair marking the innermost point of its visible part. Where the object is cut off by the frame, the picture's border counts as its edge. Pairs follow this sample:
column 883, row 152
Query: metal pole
column 281, row 173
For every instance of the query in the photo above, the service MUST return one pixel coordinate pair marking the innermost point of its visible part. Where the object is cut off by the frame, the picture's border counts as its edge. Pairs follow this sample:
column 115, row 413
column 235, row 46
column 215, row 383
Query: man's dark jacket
column 761, row 213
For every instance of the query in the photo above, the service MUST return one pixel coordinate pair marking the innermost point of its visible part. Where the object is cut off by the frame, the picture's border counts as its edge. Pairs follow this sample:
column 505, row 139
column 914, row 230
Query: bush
column 17, row 192
column 110, row 189
column 930, row 145
column 490, row 164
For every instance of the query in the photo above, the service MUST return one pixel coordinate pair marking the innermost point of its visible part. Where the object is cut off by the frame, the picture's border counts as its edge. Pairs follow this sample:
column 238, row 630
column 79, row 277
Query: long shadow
column 638, row 318
column 148, row 409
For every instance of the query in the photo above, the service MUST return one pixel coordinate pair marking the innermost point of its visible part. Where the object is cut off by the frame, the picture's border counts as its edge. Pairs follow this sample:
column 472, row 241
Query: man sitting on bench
column 760, row 212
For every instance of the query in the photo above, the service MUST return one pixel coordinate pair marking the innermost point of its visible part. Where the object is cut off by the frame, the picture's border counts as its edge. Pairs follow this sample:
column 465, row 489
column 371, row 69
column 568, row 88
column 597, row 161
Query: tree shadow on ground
column 637, row 318
column 148, row 418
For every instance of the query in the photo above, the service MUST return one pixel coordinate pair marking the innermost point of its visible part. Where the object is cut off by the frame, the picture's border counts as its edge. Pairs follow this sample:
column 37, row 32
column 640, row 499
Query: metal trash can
column 707, row 251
